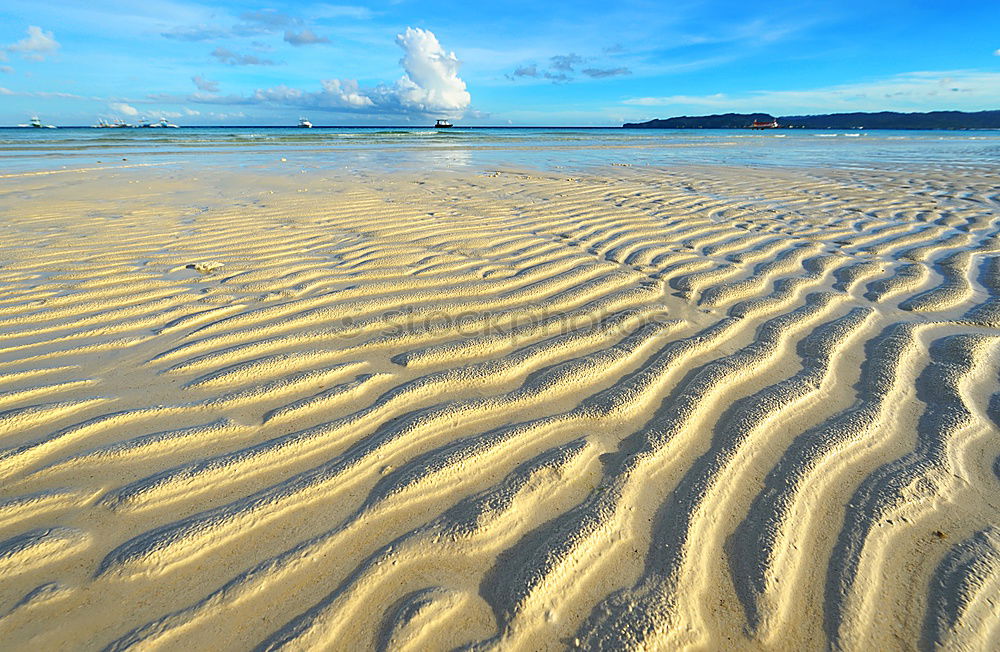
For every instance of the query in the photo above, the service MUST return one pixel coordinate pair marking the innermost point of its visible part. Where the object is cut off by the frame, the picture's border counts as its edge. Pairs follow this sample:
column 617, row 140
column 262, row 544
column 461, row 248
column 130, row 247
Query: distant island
column 880, row 120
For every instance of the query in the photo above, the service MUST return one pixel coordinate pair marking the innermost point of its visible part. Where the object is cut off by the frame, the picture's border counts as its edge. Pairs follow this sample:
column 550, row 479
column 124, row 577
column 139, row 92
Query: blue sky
column 520, row 63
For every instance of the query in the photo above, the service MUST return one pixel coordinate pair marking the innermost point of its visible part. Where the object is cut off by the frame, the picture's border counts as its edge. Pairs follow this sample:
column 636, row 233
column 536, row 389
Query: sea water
column 372, row 149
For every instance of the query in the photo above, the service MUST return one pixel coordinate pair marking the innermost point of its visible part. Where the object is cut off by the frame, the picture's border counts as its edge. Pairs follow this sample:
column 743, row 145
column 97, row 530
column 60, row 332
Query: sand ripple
column 650, row 410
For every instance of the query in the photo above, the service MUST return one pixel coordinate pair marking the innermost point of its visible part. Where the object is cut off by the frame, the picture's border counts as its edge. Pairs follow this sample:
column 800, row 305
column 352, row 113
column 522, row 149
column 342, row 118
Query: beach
column 629, row 402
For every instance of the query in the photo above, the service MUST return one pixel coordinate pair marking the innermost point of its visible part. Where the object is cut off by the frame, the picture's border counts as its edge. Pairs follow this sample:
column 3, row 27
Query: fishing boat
column 763, row 124
column 443, row 124
column 305, row 123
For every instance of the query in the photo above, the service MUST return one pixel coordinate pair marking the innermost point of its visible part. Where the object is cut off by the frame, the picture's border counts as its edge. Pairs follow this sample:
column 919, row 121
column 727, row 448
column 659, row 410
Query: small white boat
column 166, row 125
column 37, row 124
column 305, row 123
column 443, row 124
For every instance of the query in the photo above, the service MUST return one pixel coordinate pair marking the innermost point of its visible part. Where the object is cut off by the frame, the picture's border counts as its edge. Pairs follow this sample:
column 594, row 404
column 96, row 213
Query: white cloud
column 996, row 52
column 121, row 107
column 917, row 91
column 6, row 69
column 347, row 92
column 36, row 45
column 431, row 82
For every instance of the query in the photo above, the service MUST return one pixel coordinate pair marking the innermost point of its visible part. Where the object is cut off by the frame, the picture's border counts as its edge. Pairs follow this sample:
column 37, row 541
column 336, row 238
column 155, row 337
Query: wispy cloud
column 194, row 33
column 206, row 85
column 922, row 90
column 601, row 73
column 565, row 62
column 50, row 95
column 37, row 45
column 562, row 69
column 340, row 11
column 122, row 107
column 265, row 21
column 305, row 37
column 226, row 55
column 525, row 71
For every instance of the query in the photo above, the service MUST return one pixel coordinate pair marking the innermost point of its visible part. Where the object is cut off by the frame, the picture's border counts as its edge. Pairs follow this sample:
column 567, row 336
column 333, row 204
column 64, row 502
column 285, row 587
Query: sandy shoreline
column 642, row 408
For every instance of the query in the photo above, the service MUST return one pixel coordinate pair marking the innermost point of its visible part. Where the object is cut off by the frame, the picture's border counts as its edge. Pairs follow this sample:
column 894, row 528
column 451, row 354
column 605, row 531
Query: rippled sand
column 645, row 409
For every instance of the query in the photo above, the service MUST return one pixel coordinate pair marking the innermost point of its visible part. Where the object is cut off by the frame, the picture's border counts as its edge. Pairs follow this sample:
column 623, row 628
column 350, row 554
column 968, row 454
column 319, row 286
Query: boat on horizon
column 305, row 123
column 37, row 124
column 763, row 124
column 117, row 123
column 146, row 124
column 443, row 124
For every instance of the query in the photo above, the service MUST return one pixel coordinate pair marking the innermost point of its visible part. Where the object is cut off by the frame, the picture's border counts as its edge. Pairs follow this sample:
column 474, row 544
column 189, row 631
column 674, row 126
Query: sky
column 402, row 62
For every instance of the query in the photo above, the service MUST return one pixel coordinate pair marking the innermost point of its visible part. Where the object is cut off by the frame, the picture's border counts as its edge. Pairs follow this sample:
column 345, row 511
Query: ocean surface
column 375, row 149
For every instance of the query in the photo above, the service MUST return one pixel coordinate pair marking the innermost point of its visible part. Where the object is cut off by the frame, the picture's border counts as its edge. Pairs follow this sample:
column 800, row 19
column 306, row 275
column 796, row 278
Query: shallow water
column 372, row 149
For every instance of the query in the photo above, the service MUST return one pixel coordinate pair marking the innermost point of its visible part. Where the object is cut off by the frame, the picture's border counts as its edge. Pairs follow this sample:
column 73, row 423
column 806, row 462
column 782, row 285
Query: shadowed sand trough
column 649, row 409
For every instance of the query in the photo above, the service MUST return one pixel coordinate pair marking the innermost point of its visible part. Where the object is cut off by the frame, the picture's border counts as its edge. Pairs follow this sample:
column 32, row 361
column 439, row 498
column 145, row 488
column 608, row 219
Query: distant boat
column 166, row 125
column 443, row 124
column 305, row 123
column 117, row 123
column 37, row 124
column 761, row 124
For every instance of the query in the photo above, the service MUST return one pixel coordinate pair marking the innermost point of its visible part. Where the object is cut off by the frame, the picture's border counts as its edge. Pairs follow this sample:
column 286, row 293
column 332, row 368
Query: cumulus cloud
column 431, row 81
column 600, row 73
column 36, row 45
column 122, row 107
column 305, row 37
column 206, row 85
column 226, row 55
